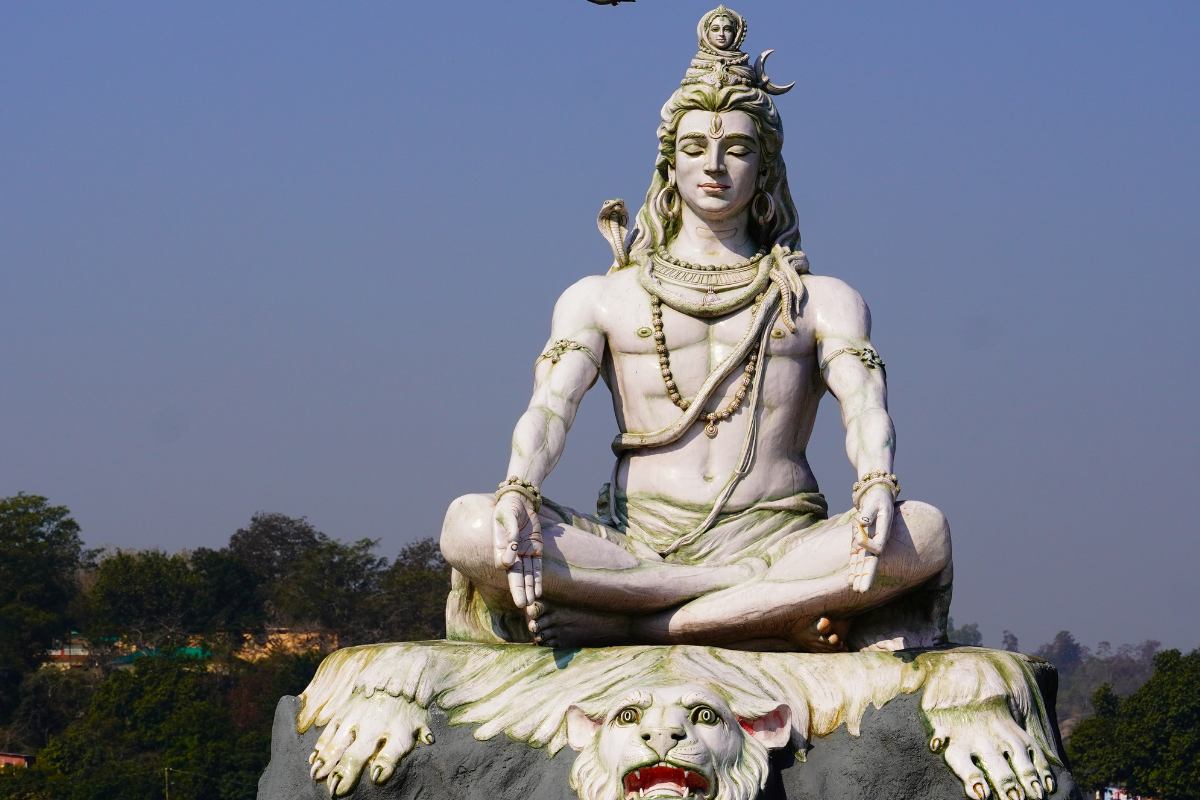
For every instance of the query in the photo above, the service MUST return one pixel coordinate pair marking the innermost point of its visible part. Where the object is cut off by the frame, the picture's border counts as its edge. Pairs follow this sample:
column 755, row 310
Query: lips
column 664, row 780
column 714, row 187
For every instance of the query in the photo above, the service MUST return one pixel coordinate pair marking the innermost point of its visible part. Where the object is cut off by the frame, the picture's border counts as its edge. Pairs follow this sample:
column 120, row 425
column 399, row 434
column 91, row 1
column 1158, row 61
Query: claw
column 1037, row 789
column 316, row 767
column 312, row 757
column 1050, row 785
column 376, row 771
column 425, row 735
column 935, row 745
column 1014, row 793
column 332, row 785
column 980, row 790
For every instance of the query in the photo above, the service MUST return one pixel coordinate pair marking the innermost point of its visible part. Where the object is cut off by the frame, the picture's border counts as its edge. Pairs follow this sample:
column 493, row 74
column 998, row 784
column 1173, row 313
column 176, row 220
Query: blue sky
column 300, row 257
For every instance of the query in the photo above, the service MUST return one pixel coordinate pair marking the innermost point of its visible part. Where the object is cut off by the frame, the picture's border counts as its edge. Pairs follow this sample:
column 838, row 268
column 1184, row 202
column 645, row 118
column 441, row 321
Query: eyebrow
column 693, row 135
column 745, row 136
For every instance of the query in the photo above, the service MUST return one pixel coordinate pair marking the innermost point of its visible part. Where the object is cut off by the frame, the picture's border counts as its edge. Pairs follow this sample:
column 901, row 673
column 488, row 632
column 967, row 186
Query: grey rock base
column 891, row 759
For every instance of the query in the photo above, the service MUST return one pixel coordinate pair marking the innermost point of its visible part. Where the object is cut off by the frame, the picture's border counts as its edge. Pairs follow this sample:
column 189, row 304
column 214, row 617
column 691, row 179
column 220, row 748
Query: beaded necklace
column 664, row 362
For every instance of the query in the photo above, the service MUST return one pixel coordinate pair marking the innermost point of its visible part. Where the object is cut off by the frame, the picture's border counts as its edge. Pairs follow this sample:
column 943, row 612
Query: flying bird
column 610, row 2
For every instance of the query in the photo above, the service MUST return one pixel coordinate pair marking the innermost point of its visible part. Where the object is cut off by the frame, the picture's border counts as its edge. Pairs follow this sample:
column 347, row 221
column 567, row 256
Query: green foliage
column 107, row 732
column 146, row 597
column 413, row 600
column 332, row 586
column 968, row 634
column 48, row 701
column 208, row 723
column 1064, row 653
column 40, row 551
column 1150, row 741
column 1124, row 670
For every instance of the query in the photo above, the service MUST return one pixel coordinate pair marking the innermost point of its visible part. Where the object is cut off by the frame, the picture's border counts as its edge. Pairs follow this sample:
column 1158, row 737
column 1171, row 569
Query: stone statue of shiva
column 717, row 344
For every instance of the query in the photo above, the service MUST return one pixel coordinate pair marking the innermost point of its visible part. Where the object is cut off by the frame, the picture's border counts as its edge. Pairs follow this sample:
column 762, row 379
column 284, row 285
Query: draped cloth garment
column 767, row 529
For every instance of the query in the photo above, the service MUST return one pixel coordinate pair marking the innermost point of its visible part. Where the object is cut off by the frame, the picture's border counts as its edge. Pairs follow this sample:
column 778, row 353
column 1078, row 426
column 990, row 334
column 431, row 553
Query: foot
column 821, row 635
column 569, row 627
column 375, row 732
column 994, row 757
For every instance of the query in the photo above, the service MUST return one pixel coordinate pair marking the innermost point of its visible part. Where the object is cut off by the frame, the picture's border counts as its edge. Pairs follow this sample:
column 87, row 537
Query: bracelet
column 876, row 478
column 523, row 488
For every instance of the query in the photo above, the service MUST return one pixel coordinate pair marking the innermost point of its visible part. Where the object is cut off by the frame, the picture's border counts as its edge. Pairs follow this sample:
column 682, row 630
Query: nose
column 715, row 163
column 661, row 740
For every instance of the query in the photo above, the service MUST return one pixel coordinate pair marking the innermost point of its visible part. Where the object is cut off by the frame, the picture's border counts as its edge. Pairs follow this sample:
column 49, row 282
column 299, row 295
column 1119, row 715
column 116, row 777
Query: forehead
column 720, row 22
column 688, row 695
column 731, row 121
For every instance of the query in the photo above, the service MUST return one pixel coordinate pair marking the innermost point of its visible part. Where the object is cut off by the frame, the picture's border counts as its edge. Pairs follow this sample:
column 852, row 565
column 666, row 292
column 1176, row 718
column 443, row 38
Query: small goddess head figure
column 720, row 33
column 721, row 30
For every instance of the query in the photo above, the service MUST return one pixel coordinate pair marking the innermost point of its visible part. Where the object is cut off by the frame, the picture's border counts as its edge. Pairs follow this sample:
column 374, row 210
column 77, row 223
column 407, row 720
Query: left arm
column 855, row 376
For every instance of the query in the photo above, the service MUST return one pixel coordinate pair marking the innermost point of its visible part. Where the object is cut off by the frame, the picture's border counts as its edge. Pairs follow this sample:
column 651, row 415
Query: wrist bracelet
column 876, row 478
column 523, row 488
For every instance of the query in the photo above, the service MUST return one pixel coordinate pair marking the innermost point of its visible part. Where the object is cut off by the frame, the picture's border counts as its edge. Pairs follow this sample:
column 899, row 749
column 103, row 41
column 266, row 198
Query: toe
column 974, row 781
column 1027, row 775
column 1000, row 774
column 395, row 747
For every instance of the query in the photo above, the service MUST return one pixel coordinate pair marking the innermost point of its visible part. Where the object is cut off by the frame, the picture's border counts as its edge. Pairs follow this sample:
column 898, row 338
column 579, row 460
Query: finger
column 527, row 576
column 871, row 565
column 883, row 527
column 537, row 576
column 516, row 586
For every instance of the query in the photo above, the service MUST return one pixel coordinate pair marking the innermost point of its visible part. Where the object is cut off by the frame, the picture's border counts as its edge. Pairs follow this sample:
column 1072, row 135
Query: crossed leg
column 598, row 593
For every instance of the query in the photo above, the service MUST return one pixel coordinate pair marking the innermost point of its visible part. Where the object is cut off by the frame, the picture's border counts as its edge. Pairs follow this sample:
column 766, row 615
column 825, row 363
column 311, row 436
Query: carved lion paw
column 990, row 752
column 378, row 731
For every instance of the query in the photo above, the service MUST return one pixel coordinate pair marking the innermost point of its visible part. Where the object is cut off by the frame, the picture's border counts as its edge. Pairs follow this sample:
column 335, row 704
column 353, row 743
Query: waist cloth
column 650, row 527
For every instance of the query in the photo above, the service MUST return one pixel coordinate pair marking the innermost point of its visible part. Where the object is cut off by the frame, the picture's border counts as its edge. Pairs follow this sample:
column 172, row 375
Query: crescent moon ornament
column 764, row 83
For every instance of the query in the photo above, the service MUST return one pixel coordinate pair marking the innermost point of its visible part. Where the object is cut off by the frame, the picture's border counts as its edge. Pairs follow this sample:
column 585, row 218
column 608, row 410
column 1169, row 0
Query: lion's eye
column 703, row 715
column 628, row 716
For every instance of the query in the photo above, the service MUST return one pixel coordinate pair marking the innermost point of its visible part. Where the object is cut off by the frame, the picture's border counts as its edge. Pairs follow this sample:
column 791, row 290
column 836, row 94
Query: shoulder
column 596, row 291
column 836, row 306
column 589, row 299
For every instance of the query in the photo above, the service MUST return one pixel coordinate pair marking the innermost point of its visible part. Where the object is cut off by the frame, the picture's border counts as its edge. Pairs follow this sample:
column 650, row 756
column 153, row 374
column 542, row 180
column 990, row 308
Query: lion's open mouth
column 664, row 780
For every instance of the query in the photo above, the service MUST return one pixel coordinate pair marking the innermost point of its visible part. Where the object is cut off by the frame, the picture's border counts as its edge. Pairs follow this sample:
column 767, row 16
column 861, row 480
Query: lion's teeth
column 637, row 773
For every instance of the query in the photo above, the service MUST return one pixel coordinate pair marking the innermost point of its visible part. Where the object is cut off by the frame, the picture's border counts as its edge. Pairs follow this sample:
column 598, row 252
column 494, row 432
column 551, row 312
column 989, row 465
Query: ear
column 581, row 728
column 773, row 730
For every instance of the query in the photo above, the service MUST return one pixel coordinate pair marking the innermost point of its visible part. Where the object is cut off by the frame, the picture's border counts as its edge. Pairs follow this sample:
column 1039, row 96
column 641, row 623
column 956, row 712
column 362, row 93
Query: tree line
column 181, row 678
column 180, row 682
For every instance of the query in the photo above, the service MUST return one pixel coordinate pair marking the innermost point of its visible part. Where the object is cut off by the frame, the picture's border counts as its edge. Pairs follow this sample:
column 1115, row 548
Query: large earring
column 763, row 217
column 668, row 203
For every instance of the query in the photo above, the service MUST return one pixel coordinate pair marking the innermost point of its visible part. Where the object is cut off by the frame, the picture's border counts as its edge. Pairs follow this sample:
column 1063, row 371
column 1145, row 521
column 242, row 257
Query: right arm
column 568, row 368
column 558, row 388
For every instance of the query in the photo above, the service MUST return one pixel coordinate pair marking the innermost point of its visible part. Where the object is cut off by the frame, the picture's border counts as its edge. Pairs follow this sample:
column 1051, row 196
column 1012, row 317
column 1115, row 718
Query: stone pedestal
column 861, row 725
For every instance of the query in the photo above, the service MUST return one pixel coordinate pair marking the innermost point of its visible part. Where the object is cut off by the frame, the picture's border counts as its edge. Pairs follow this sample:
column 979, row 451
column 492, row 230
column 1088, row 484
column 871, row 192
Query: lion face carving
column 673, row 742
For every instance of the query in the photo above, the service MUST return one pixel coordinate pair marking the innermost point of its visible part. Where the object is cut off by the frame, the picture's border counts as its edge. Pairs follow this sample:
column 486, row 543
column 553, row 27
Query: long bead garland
column 664, row 361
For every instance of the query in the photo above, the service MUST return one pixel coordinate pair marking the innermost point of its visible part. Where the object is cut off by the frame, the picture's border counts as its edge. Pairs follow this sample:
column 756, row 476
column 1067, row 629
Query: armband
column 866, row 355
column 561, row 346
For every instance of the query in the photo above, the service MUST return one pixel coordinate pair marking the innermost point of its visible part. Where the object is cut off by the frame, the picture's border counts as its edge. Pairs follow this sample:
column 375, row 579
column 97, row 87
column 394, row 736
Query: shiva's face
column 717, row 162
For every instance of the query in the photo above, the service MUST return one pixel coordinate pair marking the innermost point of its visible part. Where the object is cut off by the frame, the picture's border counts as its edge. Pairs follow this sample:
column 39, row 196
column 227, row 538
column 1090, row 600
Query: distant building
column 15, row 760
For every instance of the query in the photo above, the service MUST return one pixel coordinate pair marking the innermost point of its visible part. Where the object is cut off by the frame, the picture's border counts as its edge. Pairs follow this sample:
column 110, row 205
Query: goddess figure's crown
column 728, row 66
